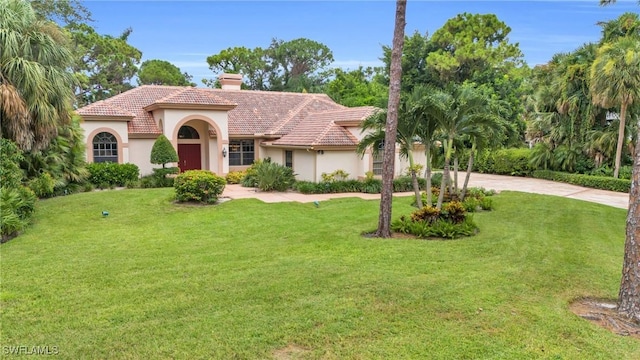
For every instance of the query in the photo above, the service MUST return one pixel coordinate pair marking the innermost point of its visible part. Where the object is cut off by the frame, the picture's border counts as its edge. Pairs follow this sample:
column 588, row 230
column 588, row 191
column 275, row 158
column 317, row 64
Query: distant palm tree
column 615, row 82
column 35, row 85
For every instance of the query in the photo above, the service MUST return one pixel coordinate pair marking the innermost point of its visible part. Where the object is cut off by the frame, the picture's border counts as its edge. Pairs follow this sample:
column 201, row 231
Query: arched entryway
column 189, row 149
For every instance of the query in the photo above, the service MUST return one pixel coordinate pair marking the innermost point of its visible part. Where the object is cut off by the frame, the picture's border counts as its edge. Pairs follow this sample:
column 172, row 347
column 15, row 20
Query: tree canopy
column 292, row 65
column 160, row 72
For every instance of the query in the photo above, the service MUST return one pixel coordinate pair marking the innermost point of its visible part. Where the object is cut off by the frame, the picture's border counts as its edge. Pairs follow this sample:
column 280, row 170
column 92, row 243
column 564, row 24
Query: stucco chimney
column 230, row 81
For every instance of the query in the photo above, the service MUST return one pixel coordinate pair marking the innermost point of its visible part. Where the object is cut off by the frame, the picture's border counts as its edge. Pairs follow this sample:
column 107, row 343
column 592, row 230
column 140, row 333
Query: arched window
column 105, row 148
column 187, row 132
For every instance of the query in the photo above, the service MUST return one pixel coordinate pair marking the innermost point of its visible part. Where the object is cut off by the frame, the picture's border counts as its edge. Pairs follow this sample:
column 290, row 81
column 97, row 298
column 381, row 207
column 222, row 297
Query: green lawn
column 244, row 279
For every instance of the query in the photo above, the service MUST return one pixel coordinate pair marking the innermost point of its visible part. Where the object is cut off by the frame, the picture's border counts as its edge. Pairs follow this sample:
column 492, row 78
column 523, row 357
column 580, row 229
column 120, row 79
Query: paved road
column 495, row 182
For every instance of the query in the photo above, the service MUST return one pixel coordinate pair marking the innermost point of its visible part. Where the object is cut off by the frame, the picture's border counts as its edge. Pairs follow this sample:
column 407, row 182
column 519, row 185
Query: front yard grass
column 249, row 280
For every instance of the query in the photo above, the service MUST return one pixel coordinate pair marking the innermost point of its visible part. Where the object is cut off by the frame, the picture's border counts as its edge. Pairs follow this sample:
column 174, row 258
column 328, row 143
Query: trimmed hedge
column 199, row 185
column 370, row 186
column 107, row 174
column 596, row 182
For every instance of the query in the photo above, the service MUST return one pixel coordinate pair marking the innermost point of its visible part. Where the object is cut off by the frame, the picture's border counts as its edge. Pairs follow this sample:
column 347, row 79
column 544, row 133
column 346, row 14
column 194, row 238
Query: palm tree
column 35, row 86
column 615, row 82
column 384, row 219
column 468, row 111
column 406, row 136
column 426, row 110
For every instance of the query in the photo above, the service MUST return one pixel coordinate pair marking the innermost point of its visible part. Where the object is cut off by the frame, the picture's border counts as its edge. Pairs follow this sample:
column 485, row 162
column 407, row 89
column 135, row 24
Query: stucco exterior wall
column 330, row 161
column 304, row 165
column 140, row 154
column 276, row 154
column 117, row 128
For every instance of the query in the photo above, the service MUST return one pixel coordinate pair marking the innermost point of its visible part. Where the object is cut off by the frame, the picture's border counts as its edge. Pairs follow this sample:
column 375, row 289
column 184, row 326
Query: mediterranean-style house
column 226, row 129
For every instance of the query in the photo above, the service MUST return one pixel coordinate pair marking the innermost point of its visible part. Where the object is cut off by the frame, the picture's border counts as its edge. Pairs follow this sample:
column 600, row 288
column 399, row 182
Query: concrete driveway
column 487, row 181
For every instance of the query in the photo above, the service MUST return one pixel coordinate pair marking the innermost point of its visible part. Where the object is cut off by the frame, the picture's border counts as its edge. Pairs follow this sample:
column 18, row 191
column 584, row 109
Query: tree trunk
column 454, row 189
column 629, row 295
column 620, row 145
column 391, row 128
column 427, row 174
column 414, row 180
column 463, row 192
column 445, row 175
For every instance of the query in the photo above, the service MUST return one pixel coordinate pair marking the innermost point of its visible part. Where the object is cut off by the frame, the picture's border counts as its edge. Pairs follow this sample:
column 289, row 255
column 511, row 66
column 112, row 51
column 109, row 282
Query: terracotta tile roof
column 320, row 129
column 270, row 112
column 256, row 112
column 191, row 95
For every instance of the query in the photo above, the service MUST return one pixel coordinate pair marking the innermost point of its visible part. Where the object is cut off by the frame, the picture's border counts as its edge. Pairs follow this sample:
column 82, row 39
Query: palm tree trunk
column 629, row 295
column 414, row 179
column 463, row 192
column 427, row 172
column 445, row 174
column 391, row 128
column 621, row 128
column 454, row 189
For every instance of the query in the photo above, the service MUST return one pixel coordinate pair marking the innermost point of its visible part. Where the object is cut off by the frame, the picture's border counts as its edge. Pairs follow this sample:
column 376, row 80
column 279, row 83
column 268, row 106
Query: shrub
column 404, row 183
column 439, row 228
column 513, row 162
column 108, row 174
column 10, row 172
column 271, row 176
column 199, row 185
column 235, row 177
column 436, row 179
column 454, row 212
column 18, row 205
column 371, row 186
column 427, row 214
column 42, row 185
column 486, row 204
column 596, row 182
column 471, row 204
column 338, row 175
column 163, row 152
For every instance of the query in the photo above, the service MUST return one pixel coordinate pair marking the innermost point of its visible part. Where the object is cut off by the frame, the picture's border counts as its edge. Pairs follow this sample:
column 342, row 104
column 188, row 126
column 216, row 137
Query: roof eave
column 106, row 117
column 156, row 106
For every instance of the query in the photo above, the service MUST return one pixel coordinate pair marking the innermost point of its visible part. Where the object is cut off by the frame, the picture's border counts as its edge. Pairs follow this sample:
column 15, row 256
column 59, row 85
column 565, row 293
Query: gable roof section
column 322, row 128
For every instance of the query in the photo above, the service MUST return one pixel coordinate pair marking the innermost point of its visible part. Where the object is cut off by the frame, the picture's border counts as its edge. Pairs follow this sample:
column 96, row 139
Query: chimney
column 230, row 81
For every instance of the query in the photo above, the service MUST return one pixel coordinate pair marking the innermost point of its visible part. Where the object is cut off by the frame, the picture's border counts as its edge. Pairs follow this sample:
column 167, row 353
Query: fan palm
column 35, row 86
column 615, row 82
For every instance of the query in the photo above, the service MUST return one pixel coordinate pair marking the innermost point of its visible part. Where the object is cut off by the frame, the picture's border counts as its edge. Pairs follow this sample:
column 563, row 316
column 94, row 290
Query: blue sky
column 186, row 32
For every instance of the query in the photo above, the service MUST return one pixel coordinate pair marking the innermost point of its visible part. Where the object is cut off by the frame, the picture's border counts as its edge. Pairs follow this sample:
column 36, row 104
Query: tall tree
column 615, row 82
column 469, row 45
column 35, row 85
column 105, row 65
column 160, row 72
column 360, row 87
column 64, row 12
column 388, row 159
column 251, row 63
column 284, row 66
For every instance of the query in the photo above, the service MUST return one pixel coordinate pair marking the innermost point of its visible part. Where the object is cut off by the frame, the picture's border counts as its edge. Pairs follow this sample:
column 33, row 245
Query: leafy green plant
column 271, row 176
column 163, row 152
column 199, row 185
column 471, row 204
column 404, row 184
column 338, row 175
column 42, row 185
column 16, row 208
column 10, row 172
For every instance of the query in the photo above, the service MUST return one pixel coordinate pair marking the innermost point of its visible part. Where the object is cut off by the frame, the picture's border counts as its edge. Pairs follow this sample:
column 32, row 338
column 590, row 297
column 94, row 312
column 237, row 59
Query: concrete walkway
column 494, row 182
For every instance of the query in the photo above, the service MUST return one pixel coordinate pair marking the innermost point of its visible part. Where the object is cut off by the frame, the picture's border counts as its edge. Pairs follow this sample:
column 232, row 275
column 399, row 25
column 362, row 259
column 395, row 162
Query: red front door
column 189, row 155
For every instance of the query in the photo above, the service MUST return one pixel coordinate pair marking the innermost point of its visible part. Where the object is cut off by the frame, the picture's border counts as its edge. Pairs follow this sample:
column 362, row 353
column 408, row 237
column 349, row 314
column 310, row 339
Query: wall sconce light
column 321, row 152
column 224, row 152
